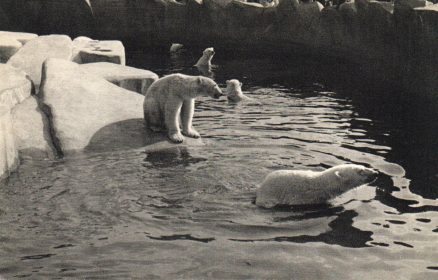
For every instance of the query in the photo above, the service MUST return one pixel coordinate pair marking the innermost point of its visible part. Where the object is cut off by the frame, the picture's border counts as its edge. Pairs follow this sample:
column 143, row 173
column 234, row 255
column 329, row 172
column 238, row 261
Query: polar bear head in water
column 298, row 187
column 234, row 91
column 349, row 176
column 207, row 56
column 234, row 87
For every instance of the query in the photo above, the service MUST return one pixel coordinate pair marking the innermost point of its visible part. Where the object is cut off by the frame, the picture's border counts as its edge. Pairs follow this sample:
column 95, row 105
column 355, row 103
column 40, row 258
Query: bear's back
column 288, row 187
column 167, row 84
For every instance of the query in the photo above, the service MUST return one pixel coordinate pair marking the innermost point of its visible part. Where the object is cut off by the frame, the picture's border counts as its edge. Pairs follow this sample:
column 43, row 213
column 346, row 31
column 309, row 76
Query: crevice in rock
column 46, row 110
column 53, row 141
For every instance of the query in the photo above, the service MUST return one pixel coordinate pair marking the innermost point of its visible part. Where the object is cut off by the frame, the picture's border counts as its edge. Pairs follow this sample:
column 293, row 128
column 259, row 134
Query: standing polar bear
column 205, row 60
column 301, row 187
column 174, row 95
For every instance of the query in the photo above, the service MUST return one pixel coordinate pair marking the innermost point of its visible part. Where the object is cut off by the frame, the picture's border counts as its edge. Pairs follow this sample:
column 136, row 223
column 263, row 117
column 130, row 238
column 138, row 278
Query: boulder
column 8, row 152
column 15, row 86
column 89, row 51
column 8, row 47
column 31, row 130
column 21, row 37
column 11, row 42
column 79, row 104
column 80, row 43
column 129, row 78
column 32, row 55
column 86, row 50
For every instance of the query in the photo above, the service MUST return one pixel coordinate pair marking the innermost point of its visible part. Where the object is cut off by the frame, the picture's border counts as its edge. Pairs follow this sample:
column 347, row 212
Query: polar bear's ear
column 338, row 174
column 199, row 80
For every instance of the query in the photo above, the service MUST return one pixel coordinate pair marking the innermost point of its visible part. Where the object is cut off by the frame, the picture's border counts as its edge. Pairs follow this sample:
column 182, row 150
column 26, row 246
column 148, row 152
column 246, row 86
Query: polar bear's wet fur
column 172, row 97
column 205, row 60
column 303, row 187
column 234, row 91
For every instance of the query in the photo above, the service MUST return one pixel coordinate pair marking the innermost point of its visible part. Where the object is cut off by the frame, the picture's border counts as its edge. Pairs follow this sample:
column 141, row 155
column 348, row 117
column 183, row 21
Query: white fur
column 175, row 47
column 234, row 91
column 295, row 187
column 268, row 3
column 173, row 96
column 262, row 3
column 207, row 56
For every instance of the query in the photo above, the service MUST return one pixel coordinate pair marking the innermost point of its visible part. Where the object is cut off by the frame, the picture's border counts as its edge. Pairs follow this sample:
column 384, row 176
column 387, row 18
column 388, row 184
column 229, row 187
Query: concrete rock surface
column 32, row 55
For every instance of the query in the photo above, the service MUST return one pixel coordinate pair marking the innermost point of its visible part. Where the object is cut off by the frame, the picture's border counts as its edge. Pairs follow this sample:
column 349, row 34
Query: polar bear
column 175, row 47
column 234, row 91
column 304, row 187
column 174, row 95
column 205, row 60
column 264, row 3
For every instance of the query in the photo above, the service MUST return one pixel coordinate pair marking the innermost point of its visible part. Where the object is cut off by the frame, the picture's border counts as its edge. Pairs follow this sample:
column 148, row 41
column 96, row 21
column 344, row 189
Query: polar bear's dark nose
column 373, row 174
column 217, row 95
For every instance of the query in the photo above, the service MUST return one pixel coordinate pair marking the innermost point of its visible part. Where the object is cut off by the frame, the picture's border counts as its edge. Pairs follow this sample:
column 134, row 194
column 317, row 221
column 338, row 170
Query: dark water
column 187, row 211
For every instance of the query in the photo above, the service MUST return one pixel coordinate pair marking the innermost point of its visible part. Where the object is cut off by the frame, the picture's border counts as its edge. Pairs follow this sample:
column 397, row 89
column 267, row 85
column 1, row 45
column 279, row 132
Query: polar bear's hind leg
column 152, row 116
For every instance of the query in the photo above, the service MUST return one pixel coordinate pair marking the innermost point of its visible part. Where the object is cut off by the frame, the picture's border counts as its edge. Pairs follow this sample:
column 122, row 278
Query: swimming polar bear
column 174, row 95
column 205, row 60
column 234, row 91
column 175, row 47
column 303, row 187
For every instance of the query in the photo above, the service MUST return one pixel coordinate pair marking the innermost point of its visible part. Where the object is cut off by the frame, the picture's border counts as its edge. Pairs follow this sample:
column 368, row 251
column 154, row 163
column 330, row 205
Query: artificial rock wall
column 57, row 94
column 397, row 38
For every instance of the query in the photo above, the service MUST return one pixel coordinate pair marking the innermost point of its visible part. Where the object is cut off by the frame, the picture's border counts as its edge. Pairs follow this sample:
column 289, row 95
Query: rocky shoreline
column 52, row 105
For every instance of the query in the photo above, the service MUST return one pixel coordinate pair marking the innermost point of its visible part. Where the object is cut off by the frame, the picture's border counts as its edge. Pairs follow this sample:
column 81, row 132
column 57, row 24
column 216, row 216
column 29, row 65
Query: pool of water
column 187, row 211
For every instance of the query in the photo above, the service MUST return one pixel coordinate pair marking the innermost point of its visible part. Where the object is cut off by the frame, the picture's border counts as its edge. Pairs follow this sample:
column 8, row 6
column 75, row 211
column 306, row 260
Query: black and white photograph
column 219, row 139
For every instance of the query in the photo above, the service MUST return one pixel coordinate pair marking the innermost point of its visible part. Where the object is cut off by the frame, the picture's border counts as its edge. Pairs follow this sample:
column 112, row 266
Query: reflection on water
column 188, row 211
column 171, row 157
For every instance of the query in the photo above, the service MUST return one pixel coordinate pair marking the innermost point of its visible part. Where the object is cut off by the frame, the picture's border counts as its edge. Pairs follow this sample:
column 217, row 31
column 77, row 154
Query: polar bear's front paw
column 176, row 137
column 191, row 133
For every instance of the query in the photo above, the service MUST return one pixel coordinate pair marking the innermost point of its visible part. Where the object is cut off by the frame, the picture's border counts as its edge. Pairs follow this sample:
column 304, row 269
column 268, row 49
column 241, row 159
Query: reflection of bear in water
column 171, row 157
column 295, row 187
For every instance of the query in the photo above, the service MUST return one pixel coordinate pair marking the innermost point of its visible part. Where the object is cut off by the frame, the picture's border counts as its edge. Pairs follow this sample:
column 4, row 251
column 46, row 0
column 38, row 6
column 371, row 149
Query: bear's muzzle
column 217, row 95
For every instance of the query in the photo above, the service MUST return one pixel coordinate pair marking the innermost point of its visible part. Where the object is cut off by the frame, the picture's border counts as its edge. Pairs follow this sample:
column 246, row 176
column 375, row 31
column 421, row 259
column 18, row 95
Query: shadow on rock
column 131, row 134
column 124, row 135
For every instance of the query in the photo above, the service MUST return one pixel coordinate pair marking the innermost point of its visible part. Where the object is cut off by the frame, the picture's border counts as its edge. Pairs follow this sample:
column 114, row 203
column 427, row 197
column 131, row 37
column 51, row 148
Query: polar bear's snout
column 371, row 174
column 209, row 51
column 217, row 93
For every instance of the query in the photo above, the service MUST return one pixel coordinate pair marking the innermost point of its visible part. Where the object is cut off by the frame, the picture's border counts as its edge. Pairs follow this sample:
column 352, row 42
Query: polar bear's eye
column 363, row 172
